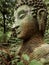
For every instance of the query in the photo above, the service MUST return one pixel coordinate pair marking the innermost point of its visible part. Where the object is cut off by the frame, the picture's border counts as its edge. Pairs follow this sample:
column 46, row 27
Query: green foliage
column 20, row 63
column 25, row 57
column 46, row 35
column 6, row 18
column 35, row 62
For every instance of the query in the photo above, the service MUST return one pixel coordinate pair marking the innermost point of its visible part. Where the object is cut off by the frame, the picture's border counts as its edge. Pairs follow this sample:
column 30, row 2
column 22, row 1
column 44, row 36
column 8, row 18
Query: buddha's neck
column 30, row 44
column 36, row 40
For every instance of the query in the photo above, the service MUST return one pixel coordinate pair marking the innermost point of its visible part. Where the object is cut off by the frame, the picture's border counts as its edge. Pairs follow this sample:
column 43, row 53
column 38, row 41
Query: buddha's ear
column 41, row 18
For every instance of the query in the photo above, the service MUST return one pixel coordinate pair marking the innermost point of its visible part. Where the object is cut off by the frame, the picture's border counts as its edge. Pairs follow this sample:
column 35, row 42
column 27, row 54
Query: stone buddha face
column 24, row 22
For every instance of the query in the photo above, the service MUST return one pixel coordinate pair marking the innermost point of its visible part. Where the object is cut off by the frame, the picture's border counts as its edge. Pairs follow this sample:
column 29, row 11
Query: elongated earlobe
column 41, row 18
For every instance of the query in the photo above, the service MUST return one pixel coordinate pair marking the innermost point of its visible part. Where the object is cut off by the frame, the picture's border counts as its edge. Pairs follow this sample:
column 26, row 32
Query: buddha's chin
column 21, row 36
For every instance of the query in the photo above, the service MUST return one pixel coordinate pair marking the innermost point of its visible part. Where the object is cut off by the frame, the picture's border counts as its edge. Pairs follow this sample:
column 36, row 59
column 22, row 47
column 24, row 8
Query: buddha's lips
column 18, row 32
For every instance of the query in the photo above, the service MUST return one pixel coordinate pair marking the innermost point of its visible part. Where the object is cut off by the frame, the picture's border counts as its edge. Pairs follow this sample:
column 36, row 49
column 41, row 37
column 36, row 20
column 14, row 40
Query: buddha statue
column 30, row 22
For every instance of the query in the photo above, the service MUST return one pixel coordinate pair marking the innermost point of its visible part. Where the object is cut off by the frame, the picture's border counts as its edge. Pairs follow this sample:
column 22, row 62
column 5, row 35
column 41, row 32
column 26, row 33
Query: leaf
column 20, row 63
column 35, row 62
column 25, row 57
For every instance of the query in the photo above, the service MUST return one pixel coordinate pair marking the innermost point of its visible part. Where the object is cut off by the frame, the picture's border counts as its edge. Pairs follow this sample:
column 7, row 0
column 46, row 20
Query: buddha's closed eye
column 22, row 14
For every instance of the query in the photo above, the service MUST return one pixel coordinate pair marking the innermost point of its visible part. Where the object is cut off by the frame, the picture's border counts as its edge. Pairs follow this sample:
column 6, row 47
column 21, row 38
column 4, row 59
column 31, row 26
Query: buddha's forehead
column 23, row 7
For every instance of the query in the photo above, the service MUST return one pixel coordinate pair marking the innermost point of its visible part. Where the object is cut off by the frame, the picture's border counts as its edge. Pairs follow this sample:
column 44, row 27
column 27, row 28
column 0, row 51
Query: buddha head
column 30, row 18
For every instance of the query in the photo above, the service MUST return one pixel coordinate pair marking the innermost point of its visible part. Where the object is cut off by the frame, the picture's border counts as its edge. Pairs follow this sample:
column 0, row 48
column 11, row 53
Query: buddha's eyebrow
column 22, row 11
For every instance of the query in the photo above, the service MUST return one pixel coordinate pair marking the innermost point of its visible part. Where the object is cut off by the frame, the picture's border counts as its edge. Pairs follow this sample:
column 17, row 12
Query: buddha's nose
column 15, row 26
